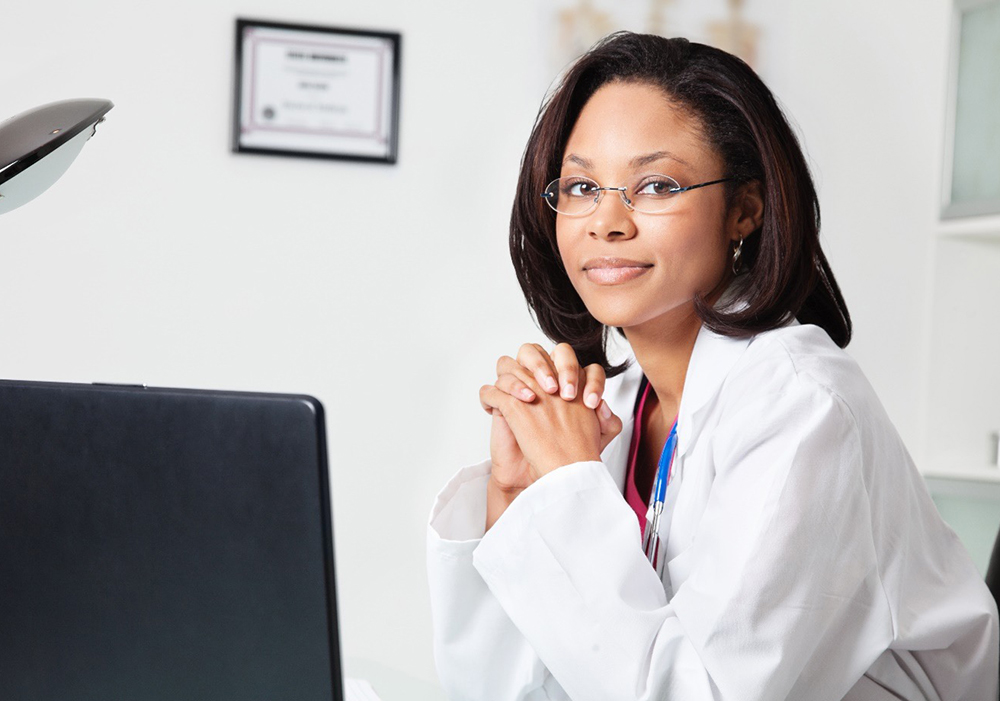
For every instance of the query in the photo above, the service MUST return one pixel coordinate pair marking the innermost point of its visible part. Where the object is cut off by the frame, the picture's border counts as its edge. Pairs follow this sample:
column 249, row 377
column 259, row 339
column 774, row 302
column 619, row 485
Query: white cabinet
column 964, row 381
column 963, row 391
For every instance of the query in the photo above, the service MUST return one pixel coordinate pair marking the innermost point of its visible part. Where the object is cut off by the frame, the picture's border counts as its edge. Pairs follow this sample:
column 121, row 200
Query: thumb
column 611, row 425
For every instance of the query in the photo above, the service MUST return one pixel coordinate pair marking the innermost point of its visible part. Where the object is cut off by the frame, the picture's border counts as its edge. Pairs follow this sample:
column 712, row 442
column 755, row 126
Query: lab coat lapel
column 711, row 361
column 621, row 399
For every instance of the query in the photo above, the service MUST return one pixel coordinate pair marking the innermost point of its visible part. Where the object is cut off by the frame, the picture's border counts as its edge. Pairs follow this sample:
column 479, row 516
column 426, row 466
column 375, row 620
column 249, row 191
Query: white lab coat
column 805, row 559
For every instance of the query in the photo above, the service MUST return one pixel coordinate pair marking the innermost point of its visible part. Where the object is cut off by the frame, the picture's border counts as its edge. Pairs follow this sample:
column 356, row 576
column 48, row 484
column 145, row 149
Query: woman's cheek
column 703, row 252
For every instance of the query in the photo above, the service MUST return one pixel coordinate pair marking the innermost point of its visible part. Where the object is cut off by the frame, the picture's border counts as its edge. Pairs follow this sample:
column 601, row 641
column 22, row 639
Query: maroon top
column 638, row 502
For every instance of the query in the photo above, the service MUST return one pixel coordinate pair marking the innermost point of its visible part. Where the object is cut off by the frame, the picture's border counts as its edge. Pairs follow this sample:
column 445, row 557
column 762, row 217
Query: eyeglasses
column 576, row 195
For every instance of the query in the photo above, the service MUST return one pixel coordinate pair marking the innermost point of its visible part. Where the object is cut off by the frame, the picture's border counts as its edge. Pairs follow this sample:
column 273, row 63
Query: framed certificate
column 320, row 92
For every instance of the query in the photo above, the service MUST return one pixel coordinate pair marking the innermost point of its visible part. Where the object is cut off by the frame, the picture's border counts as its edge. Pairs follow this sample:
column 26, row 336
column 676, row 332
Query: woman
column 795, row 553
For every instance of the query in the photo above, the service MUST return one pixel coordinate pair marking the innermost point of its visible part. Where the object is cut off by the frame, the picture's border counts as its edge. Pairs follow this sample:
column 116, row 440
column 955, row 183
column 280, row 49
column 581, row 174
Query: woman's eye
column 578, row 188
column 656, row 188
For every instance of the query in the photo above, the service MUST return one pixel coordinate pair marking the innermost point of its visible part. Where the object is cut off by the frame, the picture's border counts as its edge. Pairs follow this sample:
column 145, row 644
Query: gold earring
column 736, row 257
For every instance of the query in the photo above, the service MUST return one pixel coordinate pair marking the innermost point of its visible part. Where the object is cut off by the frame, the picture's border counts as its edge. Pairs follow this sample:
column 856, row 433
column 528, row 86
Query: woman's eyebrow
column 645, row 160
column 636, row 162
column 579, row 160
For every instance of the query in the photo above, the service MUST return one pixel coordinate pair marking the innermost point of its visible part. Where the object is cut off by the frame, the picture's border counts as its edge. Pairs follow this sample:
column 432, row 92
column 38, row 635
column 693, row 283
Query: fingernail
column 592, row 400
column 550, row 384
column 605, row 410
column 568, row 392
column 527, row 394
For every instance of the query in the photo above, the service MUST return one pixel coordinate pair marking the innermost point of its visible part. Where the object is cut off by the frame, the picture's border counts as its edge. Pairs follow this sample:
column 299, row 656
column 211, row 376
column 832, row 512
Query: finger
column 610, row 424
column 508, row 366
column 593, row 390
column 568, row 368
column 515, row 387
column 534, row 358
column 487, row 406
column 490, row 396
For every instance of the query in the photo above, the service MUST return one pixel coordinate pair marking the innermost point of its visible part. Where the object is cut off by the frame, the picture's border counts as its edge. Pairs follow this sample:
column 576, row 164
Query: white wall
column 866, row 84
column 163, row 258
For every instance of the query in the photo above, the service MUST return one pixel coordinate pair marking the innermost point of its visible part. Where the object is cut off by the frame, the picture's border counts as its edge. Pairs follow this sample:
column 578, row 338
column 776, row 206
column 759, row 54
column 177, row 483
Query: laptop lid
column 163, row 544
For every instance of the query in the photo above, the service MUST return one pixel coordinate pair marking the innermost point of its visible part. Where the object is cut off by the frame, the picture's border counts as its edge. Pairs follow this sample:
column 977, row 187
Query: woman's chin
column 619, row 318
column 626, row 316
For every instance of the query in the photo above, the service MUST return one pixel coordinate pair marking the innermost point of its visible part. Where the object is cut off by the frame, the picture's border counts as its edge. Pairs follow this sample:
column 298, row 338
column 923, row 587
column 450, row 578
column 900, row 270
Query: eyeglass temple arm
column 695, row 187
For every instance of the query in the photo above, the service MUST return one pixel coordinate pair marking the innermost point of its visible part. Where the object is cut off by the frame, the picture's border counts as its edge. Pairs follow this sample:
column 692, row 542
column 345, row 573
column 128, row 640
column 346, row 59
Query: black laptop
column 164, row 544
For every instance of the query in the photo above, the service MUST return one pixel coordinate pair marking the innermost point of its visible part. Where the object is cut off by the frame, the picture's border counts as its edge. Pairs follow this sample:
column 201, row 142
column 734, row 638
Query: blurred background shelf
column 985, row 229
column 971, row 483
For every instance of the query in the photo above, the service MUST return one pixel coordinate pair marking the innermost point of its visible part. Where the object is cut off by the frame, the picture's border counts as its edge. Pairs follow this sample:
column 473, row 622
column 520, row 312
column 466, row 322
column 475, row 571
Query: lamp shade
column 37, row 146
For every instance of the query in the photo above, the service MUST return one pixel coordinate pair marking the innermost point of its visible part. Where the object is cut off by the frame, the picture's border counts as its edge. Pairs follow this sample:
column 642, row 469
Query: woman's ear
column 747, row 213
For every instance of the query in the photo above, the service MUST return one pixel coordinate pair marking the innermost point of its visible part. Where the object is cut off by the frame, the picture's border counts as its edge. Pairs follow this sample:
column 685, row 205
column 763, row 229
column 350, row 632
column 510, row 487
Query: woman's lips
column 614, row 271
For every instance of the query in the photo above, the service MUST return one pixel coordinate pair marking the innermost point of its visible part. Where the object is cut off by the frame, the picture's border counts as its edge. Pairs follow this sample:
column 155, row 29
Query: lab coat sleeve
column 780, row 598
column 480, row 654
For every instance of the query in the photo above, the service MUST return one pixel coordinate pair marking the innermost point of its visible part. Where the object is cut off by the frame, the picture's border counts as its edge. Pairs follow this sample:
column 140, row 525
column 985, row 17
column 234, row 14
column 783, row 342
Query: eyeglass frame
column 547, row 196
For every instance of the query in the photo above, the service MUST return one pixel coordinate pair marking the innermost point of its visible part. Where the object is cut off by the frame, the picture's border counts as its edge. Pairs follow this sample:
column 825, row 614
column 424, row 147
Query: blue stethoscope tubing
column 651, row 541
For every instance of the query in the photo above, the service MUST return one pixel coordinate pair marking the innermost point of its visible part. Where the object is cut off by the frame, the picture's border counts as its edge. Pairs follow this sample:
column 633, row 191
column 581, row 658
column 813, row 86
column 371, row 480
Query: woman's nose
column 611, row 219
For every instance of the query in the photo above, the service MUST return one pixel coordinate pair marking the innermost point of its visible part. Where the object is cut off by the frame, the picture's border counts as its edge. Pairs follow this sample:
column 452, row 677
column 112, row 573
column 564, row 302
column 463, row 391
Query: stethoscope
column 651, row 537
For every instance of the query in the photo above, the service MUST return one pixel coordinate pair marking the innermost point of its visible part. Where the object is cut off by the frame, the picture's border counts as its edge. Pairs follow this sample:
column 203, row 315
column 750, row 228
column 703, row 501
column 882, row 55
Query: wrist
column 546, row 466
column 498, row 498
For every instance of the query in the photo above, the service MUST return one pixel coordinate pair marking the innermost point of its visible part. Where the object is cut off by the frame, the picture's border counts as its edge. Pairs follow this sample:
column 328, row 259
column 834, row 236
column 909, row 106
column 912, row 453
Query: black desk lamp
column 37, row 146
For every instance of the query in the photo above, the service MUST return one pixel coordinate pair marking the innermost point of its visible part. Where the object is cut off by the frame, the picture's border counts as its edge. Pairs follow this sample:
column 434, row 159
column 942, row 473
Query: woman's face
column 628, row 267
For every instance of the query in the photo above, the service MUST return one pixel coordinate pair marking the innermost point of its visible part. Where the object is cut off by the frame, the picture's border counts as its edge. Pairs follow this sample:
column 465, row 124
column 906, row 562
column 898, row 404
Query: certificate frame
column 316, row 91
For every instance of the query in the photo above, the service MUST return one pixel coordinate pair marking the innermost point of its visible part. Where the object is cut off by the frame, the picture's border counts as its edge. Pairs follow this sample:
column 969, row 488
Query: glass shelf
column 964, row 473
column 985, row 229
column 967, row 487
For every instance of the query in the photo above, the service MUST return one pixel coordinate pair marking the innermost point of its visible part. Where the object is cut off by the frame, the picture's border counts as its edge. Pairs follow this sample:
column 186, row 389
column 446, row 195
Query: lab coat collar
column 712, row 358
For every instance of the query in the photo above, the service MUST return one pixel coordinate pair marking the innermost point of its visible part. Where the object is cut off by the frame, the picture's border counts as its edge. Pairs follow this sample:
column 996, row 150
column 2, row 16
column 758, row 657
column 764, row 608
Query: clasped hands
column 547, row 412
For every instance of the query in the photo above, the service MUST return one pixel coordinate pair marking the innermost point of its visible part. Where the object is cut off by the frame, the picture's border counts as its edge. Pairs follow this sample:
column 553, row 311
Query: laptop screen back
column 162, row 544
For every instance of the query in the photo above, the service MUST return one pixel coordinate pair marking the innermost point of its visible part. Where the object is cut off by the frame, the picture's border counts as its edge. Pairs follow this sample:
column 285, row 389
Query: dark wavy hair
column 785, row 272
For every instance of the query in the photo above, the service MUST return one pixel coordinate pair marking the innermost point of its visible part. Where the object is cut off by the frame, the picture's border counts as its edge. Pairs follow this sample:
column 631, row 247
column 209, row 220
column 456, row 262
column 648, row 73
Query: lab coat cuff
column 556, row 486
column 459, row 513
